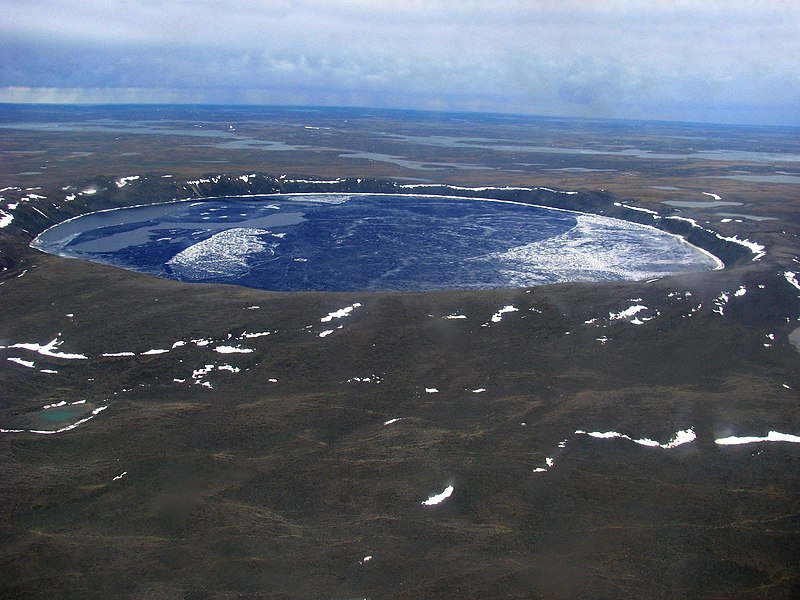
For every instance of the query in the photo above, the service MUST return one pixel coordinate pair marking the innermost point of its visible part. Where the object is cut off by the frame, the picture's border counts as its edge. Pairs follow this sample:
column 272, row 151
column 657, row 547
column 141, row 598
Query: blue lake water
column 348, row 242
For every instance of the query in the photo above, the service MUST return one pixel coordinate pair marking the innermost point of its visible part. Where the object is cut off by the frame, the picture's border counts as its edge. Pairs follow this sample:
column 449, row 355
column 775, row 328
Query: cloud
column 610, row 58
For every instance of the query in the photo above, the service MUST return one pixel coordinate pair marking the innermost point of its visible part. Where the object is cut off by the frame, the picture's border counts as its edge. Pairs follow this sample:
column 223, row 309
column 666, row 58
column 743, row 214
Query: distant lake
column 371, row 242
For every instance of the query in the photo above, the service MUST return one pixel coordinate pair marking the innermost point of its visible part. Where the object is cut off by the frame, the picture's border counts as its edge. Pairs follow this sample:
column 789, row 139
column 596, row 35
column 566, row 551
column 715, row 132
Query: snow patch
column 439, row 498
column 232, row 350
column 25, row 363
column 48, row 349
column 772, row 436
column 498, row 316
column 341, row 313
column 791, row 277
column 681, row 437
column 121, row 183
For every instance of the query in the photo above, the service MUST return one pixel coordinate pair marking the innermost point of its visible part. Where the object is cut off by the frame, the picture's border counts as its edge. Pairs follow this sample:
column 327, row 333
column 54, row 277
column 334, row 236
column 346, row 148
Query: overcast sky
column 696, row 60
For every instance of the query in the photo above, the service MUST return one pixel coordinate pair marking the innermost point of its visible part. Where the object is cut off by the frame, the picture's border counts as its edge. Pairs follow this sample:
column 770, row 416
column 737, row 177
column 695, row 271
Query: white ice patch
column 323, row 199
column 431, row 390
column 772, row 436
column 55, row 405
column 791, row 277
column 341, row 313
column 637, row 208
column 224, row 254
column 5, row 218
column 759, row 250
column 371, row 379
column 155, row 351
column 48, row 349
column 632, row 315
column 627, row 313
column 714, row 196
column 232, row 350
column 118, row 354
column 121, row 183
column 478, row 390
column 455, row 316
column 255, row 335
column 439, row 498
column 390, row 421
column 120, row 476
column 600, row 249
column 230, row 368
column 720, row 302
column 325, row 333
column 498, row 316
column 681, row 437
column 25, row 363
column 202, row 372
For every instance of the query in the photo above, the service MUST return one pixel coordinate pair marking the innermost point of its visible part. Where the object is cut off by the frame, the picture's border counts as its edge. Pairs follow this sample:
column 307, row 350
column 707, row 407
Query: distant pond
column 371, row 242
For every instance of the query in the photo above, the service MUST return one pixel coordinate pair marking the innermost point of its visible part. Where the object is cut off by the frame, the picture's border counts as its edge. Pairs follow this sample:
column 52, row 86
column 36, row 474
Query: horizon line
column 433, row 111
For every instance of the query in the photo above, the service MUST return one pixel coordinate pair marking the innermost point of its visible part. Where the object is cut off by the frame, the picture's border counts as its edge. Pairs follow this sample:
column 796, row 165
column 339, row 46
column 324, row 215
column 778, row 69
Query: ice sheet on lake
column 224, row 254
column 600, row 249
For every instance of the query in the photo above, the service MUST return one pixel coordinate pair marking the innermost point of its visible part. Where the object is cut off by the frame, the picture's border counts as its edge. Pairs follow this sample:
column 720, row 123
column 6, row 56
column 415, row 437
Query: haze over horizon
column 711, row 61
